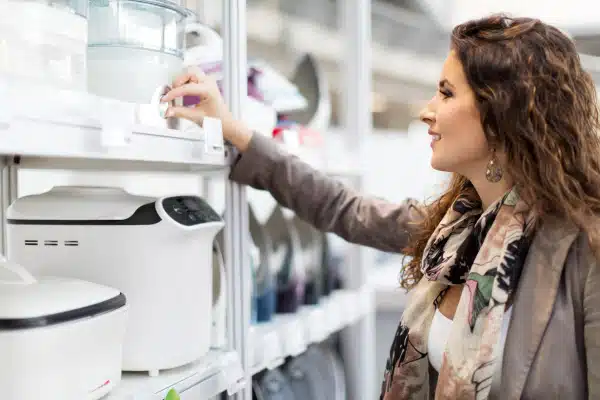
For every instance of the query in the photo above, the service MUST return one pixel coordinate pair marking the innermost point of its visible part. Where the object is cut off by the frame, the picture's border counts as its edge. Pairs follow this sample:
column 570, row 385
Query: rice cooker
column 60, row 338
column 156, row 251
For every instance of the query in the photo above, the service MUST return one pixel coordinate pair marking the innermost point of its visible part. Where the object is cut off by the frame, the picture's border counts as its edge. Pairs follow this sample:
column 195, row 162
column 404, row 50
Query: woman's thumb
column 191, row 113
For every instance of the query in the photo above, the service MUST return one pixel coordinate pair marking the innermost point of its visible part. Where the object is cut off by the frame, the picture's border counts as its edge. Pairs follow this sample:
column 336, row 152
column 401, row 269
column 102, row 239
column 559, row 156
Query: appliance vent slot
column 31, row 242
column 71, row 242
column 50, row 242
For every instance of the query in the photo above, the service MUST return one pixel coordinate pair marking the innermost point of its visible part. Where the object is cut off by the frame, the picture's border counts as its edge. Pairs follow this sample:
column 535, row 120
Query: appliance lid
column 78, row 203
column 27, row 302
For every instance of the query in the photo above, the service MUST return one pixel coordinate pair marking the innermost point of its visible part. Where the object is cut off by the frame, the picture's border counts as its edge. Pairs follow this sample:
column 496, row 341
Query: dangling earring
column 493, row 171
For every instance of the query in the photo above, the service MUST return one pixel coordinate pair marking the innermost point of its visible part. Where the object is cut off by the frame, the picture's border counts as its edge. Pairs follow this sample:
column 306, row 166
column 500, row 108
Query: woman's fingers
column 189, row 113
column 201, row 90
column 193, row 74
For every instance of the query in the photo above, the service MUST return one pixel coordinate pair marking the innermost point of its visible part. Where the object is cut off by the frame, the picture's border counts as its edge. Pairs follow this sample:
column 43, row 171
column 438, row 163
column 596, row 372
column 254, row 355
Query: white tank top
column 440, row 330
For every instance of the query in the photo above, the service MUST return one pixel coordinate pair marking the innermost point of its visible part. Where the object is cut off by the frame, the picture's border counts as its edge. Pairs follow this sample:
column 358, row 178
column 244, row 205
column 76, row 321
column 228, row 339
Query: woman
column 505, row 287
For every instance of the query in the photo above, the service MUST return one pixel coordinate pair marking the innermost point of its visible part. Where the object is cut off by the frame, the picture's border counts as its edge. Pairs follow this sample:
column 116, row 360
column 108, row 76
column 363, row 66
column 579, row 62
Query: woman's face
column 457, row 139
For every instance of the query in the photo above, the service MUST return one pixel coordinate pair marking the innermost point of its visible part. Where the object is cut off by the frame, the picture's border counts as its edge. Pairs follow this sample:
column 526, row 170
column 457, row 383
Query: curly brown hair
column 538, row 104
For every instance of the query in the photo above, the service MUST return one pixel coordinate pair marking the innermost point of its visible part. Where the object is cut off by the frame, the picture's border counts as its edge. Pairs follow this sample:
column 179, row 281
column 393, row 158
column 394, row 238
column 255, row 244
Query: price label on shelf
column 213, row 135
column 117, row 119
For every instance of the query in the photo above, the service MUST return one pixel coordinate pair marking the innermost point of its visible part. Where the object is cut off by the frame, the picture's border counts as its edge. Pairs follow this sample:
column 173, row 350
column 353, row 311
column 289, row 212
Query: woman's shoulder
column 558, row 241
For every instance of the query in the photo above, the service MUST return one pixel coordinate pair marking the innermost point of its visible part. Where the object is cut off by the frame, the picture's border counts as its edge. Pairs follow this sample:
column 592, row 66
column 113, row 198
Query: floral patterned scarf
column 485, row 251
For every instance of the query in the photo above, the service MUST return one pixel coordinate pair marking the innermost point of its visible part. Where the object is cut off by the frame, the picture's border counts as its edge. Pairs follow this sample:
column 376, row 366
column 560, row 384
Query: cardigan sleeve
column 323, row 201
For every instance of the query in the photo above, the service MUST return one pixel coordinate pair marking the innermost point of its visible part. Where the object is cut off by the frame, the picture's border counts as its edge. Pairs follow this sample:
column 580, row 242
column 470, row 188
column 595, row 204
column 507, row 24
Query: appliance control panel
column 189, row 210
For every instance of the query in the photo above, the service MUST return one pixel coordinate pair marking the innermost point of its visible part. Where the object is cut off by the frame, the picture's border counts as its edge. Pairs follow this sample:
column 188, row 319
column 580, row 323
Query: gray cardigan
column 552, row 349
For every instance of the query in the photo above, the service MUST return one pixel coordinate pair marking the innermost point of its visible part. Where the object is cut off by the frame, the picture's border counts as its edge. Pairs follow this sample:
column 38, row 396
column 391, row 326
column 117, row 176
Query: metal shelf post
column 358, row 340
column 236, row 243
column 9, row 184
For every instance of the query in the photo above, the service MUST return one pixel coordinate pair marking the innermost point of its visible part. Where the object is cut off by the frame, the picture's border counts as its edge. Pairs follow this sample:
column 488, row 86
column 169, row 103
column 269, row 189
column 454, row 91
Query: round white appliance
column 60, row 338
column 135, row 47
column 156, row 251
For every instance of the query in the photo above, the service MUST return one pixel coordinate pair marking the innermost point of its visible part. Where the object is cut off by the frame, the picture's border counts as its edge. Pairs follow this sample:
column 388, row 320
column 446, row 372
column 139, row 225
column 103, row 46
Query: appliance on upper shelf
column 45, row 41
column 205, row 51
column 271, row 87
column 305, row 127
column 156, row 251
column 60, row 338
column 312, row 83
column 135, row 47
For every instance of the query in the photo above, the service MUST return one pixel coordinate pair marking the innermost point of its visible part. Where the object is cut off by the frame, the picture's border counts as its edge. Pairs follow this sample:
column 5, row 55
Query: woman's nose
column 427, row 115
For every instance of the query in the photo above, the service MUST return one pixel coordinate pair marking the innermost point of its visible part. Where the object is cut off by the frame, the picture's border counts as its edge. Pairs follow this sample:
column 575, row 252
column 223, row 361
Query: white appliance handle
column 211, row 37
column 25, row 276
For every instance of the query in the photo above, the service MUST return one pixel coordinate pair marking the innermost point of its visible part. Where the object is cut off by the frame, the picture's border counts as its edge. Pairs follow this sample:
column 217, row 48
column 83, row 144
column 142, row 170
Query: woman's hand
column 195, row 83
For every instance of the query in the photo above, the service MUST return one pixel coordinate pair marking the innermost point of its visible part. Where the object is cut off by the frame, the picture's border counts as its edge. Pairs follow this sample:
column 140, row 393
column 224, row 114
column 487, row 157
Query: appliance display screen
column 190, row 210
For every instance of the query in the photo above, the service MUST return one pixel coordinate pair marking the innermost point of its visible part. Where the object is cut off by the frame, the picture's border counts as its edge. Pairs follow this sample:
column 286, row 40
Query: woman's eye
column 445, row 93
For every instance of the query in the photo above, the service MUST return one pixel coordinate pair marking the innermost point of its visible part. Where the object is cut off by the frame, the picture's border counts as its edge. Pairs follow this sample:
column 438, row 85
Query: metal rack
column 75, row 131
column 358, row 335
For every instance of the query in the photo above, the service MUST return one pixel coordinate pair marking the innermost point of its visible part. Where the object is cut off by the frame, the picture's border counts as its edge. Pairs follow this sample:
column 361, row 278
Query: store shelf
column 219, row 371
column 290, row 335
column 79, row 130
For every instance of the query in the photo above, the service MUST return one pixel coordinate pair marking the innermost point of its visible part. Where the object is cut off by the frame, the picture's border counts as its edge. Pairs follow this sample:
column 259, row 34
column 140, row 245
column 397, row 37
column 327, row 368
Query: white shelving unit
column 78, row 131
column 71, row 130
column 218, row 372
column 290, row 335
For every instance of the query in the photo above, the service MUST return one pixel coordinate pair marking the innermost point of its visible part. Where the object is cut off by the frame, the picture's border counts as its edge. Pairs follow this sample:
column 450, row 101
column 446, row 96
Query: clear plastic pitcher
column 134, row 47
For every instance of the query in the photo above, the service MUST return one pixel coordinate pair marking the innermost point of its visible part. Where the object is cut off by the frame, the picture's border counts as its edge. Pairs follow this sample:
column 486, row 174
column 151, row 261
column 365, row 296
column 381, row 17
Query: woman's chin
column 439, row 165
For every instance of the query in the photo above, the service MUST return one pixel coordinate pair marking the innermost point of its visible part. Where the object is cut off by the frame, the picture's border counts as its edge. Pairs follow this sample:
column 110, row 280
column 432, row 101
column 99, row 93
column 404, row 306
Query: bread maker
column 156, row 251
column 60, row 338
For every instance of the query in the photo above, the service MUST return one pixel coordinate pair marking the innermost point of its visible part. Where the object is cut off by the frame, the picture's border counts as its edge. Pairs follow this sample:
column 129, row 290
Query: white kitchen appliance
column 135, row 47
column 60, row 338
column 205, row 51
column 156, row 251
column 312, row 83
column 44, row 41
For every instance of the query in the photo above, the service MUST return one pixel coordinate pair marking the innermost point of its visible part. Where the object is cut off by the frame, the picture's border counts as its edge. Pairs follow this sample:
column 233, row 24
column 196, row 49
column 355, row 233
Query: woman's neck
column 488, row 191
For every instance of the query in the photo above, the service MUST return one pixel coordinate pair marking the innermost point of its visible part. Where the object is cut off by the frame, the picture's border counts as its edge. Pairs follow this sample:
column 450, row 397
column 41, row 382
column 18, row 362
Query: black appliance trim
column 66, row 316
column 144, row 215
